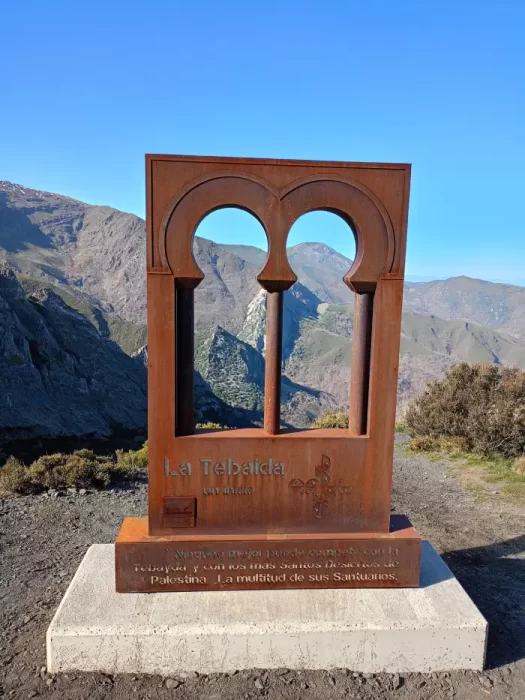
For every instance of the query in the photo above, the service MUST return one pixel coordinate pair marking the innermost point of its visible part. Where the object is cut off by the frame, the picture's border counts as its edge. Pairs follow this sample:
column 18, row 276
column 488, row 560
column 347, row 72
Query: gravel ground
column 43, row 539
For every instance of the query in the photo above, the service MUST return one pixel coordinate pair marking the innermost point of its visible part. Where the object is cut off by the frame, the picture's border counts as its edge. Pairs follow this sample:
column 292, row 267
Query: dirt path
column 43, row 539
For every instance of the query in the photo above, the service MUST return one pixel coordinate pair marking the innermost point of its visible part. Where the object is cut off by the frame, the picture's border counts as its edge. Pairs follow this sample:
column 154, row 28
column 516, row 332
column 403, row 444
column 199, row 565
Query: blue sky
column 88, row 88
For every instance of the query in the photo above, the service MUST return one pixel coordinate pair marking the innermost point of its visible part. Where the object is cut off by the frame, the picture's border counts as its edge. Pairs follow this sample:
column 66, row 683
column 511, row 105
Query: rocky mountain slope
column 59, row 376
column 499, row 306
column 63, row 375
column 97, row 251
column 92, row 258
column 234, row 370
column 318, row 267
column 429, row 346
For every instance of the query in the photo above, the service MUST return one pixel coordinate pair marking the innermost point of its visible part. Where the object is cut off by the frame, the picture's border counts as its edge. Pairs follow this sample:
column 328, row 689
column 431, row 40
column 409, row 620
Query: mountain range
column 88, row 263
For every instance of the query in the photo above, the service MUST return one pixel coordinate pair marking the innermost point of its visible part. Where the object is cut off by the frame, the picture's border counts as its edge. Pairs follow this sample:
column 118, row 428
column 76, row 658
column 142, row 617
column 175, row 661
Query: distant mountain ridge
column 93, row 258
column 99, row 252
column 318, row 267
column 499, row 306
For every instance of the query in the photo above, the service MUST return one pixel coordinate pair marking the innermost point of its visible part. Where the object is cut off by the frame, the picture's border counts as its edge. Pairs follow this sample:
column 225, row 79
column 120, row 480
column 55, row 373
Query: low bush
column 132, row 461
column 423, row 443
column 337, row 419
column 14, row 477
column 484, row 405
column 80, row 469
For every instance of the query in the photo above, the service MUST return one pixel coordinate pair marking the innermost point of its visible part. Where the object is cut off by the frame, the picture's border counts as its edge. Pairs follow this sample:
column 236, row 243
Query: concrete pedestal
column 435, row 627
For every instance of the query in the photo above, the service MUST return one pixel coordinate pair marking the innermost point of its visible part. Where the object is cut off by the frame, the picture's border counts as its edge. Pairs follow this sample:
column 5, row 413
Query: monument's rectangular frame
column 270, row 483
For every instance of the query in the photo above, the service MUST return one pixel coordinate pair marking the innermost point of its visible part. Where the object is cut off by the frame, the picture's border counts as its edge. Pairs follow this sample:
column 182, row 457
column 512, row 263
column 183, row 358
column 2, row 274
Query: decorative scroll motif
column 321, row 487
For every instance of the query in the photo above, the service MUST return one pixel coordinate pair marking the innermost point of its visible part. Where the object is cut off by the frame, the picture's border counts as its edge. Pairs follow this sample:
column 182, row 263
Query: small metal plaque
column 179, row 512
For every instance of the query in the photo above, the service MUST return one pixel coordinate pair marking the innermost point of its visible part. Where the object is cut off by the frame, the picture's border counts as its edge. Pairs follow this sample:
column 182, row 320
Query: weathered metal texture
column 272, row 378
column 185, row 351
column 213, row 487
column 359, row 380
column 373, row 199
column 265, row 560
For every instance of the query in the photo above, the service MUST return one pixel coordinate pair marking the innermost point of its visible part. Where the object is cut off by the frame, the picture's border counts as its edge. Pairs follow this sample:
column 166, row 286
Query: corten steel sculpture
column 271, row 508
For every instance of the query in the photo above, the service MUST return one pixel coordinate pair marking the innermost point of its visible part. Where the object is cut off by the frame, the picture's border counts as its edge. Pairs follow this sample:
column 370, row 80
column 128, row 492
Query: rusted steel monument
column 271, row 508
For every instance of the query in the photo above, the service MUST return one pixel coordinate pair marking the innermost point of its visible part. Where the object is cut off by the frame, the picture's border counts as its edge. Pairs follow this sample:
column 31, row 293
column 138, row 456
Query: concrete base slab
column 432, row 628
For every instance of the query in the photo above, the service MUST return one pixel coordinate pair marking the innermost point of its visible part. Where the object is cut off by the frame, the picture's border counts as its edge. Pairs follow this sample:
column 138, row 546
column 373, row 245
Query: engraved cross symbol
column 321, row 487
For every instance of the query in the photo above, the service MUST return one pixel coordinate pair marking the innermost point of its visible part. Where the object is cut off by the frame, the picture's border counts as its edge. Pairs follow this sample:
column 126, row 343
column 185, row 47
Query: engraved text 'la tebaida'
column 228, row 467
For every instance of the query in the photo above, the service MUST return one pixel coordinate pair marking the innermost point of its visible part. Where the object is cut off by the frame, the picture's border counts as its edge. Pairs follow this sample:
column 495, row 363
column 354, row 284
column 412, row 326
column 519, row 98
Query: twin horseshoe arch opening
column 277, row 211
column 233, row 219
column 315, row 306
column 275, row 276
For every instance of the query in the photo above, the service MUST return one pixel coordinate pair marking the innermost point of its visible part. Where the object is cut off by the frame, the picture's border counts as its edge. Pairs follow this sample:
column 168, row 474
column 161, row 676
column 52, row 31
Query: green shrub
column 482, row 404
column 210, row 426
column 80, row 469
column 337, row 419
column 132, row 461
column 14, row 477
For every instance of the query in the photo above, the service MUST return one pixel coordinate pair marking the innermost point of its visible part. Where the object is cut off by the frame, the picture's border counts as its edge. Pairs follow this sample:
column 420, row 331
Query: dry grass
column 442, row 444
column 488, row 477
column 518, row 466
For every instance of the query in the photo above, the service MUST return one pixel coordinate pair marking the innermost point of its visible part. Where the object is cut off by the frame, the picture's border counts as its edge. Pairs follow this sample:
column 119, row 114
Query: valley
column 86, row 264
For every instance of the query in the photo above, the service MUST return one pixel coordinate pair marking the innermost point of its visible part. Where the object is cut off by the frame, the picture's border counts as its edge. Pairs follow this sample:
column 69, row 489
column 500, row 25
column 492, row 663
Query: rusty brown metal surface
column 359, row 380
column 265, row 561
column 184, row 361
column 179, row 512
column 302, row 484
column 272, row 377
column 373, row 198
